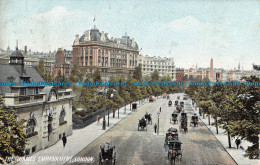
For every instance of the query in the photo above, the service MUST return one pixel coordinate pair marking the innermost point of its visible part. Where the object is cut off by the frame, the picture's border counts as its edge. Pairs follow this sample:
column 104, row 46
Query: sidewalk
column 79, row 139
column 236, row 154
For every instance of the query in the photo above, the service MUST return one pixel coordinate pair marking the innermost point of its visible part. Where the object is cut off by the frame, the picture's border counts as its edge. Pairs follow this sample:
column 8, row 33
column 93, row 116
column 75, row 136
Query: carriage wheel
column 114, row 159
column 100, row 158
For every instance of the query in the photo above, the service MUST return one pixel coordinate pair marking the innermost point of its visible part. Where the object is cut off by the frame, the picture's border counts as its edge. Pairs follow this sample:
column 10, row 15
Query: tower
column 211, row 70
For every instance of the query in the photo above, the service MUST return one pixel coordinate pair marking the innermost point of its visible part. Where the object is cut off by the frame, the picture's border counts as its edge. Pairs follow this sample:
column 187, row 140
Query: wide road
column 134, row 147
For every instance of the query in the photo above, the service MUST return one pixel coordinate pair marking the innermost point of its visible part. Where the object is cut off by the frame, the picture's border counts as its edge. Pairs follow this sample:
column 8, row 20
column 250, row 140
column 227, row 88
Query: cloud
column 189, row 24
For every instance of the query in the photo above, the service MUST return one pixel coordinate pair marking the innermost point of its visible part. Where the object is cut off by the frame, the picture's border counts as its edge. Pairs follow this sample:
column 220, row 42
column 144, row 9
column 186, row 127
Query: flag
column 94, row 19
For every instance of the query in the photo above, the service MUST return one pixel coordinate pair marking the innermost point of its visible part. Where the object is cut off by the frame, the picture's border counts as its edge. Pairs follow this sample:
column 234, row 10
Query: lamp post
column 158, row 114
column 111, row 96
column 104, row 118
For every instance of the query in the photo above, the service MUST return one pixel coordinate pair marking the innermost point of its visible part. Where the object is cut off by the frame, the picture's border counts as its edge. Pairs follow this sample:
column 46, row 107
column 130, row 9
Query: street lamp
column 111, row 96
column 158, row 114
column 104, row 118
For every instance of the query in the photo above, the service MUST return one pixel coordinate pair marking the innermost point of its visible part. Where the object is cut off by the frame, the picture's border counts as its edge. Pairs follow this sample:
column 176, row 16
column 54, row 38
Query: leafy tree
column 155, row 76
column 138, row 73
column 40, row 68
column 76, row 74
column 12, row 134
column 97, row 76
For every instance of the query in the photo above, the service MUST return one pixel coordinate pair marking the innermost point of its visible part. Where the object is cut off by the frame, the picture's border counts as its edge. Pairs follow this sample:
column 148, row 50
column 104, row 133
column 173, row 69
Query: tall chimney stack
column 211, row 70
column 25, row 49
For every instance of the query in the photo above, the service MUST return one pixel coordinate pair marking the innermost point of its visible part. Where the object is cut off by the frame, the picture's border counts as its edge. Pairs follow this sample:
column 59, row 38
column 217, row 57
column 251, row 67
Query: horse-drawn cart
column 107, row 153
column 148, row 118
column 184, row 122
column 174, row 150
column 182, row 104
column 174, row 118
column 142, row 124
column 179, row 109
column 176, row 103
column 170, row 103
column 194, row 120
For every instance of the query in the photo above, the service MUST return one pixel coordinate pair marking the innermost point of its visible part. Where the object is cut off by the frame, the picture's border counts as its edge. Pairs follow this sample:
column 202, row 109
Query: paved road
column 134, row 147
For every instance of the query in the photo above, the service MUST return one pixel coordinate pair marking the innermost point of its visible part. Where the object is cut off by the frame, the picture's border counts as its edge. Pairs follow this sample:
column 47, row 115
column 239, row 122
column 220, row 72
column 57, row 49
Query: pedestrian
column 238, row 142
column 98, row 118
column 160, row 109
column 64, row 140
column 155, row 127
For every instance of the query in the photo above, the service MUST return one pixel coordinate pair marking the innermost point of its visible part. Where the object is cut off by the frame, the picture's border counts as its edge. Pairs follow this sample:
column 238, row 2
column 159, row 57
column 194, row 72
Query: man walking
column 64, row 140
column 155, row 127
column 238, row 142
column 160, row 109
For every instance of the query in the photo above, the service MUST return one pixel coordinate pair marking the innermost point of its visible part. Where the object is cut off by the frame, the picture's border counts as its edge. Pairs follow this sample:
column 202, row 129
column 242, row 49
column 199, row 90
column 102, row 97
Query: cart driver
column 107, row 147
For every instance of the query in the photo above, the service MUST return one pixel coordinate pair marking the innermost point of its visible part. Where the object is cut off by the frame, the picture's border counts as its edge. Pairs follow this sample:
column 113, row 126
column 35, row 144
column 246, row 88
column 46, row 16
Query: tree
column 12, row 134
column 155, row 76
column 40, row 68
column 76, row 74
column 97, row 76
column 138, row 73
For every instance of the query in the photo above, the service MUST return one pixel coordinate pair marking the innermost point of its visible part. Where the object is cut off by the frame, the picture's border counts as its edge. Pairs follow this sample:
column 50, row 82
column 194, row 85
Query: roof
column 95, row 35
column 16, row 53
column 10, row 73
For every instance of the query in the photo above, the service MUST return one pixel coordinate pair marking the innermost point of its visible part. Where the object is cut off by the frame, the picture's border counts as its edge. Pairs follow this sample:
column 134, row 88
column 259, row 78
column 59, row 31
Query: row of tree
column 122, row 95
column 234, row 108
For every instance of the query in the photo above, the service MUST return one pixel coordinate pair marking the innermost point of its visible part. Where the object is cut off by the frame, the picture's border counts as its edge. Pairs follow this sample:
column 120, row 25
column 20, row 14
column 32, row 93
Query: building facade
column 113, row 56
column 48, row 112
column 164, row 65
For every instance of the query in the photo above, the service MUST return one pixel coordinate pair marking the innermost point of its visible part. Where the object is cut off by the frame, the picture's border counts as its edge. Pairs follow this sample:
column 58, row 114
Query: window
column 22, row 91
column 33, row 149
column 30, row 126
column 27, row 152
column 62, row 115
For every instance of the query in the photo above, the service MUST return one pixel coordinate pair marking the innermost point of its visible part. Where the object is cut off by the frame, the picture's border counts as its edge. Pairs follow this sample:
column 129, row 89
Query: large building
column 113, row 56
column 48, row 112
column 164, row 65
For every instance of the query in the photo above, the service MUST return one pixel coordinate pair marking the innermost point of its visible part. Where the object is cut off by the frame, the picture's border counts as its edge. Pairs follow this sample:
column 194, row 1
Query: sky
column 190, row 31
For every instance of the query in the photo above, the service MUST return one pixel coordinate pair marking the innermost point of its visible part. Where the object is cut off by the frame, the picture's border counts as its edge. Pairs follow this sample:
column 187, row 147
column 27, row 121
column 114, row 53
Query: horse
column 185, row 128
column 173, row 155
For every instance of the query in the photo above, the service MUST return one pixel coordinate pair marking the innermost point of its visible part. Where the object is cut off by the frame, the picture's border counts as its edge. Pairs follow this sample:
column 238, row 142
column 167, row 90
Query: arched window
column 31, row 124
column 62, row 115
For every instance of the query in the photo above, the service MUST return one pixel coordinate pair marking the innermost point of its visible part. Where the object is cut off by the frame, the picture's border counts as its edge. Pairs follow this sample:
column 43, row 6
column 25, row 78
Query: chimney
column 76, row 40
column 103, row 38
column 87, row 35
column 133, row 42
column 25, row 49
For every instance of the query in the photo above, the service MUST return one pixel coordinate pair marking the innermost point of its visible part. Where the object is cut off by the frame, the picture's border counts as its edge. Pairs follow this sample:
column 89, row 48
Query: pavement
column 58, row 155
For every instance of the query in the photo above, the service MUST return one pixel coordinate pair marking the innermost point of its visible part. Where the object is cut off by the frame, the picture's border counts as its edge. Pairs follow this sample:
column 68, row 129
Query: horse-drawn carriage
column 176, row 103
column 182, row 104
column 170, row 103
column 107, row 153
column 168, row 97
column 185, row 97
column 178, row 97
column 174, row 150
column 171, row 134
column 134, row 106
column 174, row 117
column 148, row 118
column 194, row 120
column 184, row 122
column 142, row 124
column 179, row 109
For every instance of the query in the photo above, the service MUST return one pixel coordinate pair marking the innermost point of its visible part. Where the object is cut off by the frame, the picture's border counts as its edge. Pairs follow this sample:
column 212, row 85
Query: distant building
column 164, row 65
column 179, row 74
column 48, row 112
column 61, row 67
column 113, row 56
